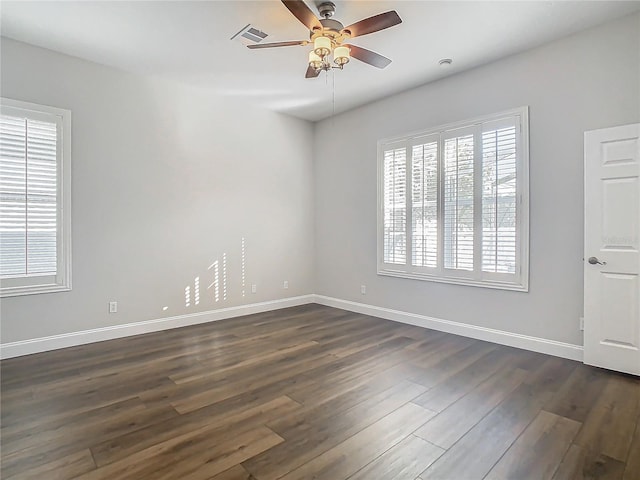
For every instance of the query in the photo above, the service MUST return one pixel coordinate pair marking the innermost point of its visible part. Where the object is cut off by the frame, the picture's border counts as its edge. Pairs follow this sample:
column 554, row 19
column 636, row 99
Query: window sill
column 32, row 290
column 517, row 287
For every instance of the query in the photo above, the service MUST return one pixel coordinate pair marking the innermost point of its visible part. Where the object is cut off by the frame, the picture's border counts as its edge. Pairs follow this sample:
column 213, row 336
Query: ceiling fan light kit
column 322, row 46
column 328, row 36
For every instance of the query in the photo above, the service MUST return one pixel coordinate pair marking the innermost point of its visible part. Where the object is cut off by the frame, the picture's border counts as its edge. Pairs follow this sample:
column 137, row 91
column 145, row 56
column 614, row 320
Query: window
column 35, row 214
column 453, row 203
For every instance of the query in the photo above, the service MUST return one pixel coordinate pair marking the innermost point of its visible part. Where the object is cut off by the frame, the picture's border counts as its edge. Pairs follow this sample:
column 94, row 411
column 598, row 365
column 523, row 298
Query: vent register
column 249, row 35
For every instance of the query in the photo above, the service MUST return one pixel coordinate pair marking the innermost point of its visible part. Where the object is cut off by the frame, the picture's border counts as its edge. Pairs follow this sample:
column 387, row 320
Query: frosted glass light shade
column 322, row 46
column 341, row 55
column 314, row 60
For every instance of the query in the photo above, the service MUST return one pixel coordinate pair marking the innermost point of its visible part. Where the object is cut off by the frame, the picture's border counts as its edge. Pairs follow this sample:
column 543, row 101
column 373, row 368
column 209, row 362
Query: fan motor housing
column 327, row 9
column 331, row 25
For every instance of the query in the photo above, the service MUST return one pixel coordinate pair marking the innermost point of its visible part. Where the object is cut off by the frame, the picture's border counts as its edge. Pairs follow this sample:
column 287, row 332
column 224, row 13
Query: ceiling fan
column 328, row 37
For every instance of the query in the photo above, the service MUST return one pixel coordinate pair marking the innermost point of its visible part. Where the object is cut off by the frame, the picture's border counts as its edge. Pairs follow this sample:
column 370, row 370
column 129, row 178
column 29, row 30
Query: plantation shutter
column 424, row 203
column 395, row 205
column 453, row 203
column 458, row 171
column 499, row 208
column 28, row 197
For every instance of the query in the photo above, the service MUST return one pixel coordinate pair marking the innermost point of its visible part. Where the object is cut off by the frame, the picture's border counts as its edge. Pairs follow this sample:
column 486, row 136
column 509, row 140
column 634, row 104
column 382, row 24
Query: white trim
column 455, row 281
column 519, row 281
column 525, row 342
column 62, row 281
column 455, row 125
column 32, row 289
column 54, row 342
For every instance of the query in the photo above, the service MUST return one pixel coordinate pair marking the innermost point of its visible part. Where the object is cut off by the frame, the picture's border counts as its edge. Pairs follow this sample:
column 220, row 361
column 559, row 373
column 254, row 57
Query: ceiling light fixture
column 328, row 36
column 323, row 48
column 327, row 42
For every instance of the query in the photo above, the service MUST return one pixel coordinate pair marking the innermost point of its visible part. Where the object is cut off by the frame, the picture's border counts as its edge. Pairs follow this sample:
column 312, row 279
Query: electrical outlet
column 582, row 324
column 254, row 288
column 363, row 289
column 113, row 307
column 285, row 284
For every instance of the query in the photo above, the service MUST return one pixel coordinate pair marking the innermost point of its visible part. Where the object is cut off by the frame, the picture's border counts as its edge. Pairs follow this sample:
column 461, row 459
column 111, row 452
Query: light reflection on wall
column 224, row 276
column 244, row 260
column 219, row 282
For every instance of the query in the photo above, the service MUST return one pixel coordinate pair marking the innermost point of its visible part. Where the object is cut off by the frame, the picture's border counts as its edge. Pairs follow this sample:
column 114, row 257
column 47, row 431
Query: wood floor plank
column 581, row 463
column 316, row 432
column 83, row 400
column 454, row 422
column 405, row 460
column 94, row 424
column 435, row 352
column 477, row 452
column 201, row 393
column 230, row 419
column 576, row 397
column 236, row 472
column 363, row 396
column 312, row 392
column 538, row 452
column 38, row 448
column 360, row 449
column 277, row 354
column 457, row 386
column 69, row 466
column 438, row 372
column 186, row 453
column 220, row 457
column 610, row 425
column 12, row 435
column 632, row 469
column 349, row 372
column 219, row 386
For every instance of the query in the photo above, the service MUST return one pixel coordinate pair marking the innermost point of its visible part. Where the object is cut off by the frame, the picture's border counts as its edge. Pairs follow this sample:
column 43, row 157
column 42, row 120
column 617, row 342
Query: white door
column 612, row 241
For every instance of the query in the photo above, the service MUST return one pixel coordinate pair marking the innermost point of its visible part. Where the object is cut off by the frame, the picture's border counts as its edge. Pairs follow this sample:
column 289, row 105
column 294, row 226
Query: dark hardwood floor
column 313, row 392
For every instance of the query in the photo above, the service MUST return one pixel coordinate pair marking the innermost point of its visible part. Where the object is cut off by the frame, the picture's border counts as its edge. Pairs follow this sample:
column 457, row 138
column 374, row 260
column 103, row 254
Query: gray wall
column 165, row 180
column 583, row 82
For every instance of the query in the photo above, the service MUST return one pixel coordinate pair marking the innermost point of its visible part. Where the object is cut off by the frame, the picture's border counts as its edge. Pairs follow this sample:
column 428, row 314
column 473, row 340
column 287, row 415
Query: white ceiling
column 190, row 42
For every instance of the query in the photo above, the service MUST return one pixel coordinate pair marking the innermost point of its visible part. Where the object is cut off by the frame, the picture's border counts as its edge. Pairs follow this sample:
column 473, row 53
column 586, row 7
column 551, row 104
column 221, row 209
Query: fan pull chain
column 333, row 100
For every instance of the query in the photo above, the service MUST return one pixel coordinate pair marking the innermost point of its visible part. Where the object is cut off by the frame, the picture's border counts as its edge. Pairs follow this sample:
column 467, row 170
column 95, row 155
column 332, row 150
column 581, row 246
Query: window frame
column 36, row 284
column 518, row 281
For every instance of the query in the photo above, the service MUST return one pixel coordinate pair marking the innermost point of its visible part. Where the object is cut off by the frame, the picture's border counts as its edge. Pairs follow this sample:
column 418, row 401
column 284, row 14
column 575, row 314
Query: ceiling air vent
column 249, row 35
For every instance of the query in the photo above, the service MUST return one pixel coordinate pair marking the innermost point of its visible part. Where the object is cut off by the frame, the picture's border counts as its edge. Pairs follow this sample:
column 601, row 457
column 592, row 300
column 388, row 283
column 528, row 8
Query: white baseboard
column 54, row 342
column 525, row 342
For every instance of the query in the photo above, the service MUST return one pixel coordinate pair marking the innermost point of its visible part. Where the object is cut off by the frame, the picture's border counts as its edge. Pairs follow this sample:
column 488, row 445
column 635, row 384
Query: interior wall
column 166, row 180
column 587, row 81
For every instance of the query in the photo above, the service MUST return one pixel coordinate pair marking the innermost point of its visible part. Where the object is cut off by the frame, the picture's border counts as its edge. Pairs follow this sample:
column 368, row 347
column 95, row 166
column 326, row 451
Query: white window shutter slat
column 458, row 202
column 499, row 200
column 424, row 201
column 395, row 206
column 28, row 197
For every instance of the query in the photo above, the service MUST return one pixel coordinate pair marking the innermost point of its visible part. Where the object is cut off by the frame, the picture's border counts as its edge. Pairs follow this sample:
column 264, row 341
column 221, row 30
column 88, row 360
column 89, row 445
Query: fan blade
column 278, row 44
column 373, row 24
column 367, row 56
column 312, row 72
column 303, row 13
